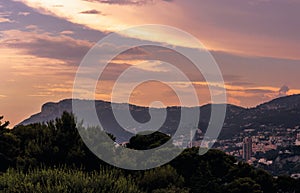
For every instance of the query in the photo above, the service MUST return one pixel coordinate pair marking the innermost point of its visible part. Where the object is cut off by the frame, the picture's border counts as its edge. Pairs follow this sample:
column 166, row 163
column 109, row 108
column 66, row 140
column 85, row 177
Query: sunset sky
column 255, row 42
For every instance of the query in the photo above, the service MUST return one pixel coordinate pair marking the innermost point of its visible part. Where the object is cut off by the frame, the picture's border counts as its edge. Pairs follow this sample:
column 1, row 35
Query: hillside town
column 261, row 147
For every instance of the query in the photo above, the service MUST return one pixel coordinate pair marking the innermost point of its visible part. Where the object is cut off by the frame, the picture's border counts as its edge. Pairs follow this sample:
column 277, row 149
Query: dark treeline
column 52, row 158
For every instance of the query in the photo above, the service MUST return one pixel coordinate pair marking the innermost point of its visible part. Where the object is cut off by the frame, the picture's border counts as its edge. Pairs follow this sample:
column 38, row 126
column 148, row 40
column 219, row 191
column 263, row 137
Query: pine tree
column 3, row 125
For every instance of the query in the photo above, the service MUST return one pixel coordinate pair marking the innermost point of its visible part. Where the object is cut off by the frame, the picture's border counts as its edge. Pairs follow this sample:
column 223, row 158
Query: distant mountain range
column 281, row 112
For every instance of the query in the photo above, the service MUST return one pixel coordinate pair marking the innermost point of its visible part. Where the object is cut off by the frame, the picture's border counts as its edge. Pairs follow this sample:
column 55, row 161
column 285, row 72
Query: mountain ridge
column 282, row 111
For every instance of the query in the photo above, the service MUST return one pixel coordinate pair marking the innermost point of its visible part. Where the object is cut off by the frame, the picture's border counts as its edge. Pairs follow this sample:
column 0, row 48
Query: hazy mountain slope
column 284, row 111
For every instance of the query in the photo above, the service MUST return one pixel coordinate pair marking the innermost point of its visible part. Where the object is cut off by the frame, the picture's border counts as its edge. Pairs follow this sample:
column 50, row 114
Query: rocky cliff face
column 50, row 111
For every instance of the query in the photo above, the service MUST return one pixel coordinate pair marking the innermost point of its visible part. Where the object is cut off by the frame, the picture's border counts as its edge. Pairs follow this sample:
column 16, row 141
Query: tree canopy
column 4, row 125
column 52, row 157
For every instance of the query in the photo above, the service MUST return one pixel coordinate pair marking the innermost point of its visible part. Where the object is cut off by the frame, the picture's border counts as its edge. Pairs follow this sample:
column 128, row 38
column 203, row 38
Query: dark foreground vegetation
column 52, row 158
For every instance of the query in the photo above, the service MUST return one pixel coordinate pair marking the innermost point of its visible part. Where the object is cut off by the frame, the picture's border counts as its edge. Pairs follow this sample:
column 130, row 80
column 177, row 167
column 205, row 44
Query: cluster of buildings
column 267, row 147
column 250, row 145
column 250, row 142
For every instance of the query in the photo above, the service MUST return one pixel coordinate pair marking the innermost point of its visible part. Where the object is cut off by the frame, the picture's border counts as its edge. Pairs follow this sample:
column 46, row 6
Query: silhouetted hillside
column 281, row 112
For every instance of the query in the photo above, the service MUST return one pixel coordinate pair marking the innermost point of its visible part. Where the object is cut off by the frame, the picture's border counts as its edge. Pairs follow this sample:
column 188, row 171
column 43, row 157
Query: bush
column 66, row 180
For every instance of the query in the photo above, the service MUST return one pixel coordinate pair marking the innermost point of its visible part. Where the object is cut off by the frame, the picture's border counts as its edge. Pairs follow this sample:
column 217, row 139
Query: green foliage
column 144, row 142
column 46, row 158
column 3, row 126
column 160, row 178
column 55, row 143
column 245, row 185
column 9, row 150
column 66, row 181
column 284, row 184
column 261, row 177
column 171, row 189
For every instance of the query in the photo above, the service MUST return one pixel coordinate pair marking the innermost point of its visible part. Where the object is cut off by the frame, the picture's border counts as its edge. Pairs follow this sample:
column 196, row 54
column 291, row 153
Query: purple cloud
column 92, row 11
column 44, row 45
column 127, row 2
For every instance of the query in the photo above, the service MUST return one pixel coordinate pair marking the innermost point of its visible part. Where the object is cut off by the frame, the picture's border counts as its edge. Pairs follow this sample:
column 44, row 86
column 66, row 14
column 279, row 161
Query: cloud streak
column 123, row 2
column 45, row 45
column 92, row 11
column 128, row 2
column 5, row 20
